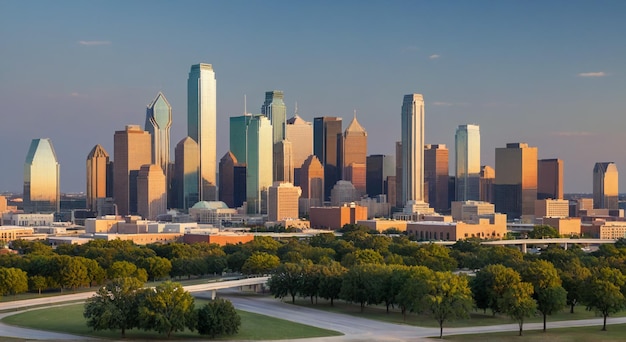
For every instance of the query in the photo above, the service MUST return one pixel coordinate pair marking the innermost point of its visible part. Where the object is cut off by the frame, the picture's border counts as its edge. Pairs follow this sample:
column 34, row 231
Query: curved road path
column 353, row 328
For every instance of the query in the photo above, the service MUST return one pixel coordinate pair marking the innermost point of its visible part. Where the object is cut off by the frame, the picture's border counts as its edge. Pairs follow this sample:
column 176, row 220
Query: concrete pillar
column 524, row 248
column 213, row 294
column 565, row 246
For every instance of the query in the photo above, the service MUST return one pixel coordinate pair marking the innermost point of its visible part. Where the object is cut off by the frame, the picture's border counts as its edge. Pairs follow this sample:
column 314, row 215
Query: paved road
column 354, row 328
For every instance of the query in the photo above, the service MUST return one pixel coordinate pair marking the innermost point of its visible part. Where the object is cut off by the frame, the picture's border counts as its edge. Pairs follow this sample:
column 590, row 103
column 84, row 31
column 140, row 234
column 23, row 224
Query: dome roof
column 210, row 205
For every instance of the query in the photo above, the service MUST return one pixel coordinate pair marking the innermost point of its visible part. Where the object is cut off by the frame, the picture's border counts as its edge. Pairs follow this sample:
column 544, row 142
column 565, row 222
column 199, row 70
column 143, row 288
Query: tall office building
column 201, row 125
column 300, row 133
column 158, row 123
column 399, row 159
column 515, row 187
column 467, row 159
column 412, row 149
column 238, row 135
column 378, row 168
column 186, row 171
column 132, row 148
column 275, row 110
column 326, row 136
column 151, row 194
column 354, row 155
column 312, row 184
column 550, row 179
column 283, row 201
column 487, row 178
column 283, row 161
column 436, row 175
column 41, row 178
column 232, row 181
column 605, row 186
column 97, row 164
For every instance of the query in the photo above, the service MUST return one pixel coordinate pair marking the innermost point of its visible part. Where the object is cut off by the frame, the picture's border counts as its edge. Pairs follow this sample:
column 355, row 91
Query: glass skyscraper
column 158, row 123
column 515, row 186
column 412, row 149
column 326, row 138
column 201, row 125
column 275, row 110
column 605, row 186
column 467, row 158
column 41, row 178
column 259, row 164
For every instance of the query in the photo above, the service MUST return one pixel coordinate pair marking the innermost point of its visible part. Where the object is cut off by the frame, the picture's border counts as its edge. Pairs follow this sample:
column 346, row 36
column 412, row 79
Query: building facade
column 515, row 186
column 186, row 172
column 201, row 126
column 158, row 123
column 232, row 181
column 467, row 161
column 97, row 164
column 283, row 161
column 487, row 179
column 354, row 155
column 605, row 186
column 436, row 175
column 151, row 191
column 551, row 208
column 312, row 184
column 259, row 164
column 378, row 168
column 412, row 148
column 132, row 148
column 275, row 110
column 300, row 133
column 326, row 137
column 550, row 179
column 283, row 201
column 41, row 178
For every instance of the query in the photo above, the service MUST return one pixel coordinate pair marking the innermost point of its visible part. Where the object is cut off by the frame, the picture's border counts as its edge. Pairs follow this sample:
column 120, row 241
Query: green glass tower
column 274, row 109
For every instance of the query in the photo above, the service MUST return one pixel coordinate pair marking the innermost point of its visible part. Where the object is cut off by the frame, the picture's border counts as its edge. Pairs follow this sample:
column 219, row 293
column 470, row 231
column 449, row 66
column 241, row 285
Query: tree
column 490, row 285
column 574, row 277
column 13, row 281
column 114, row 306
column 517, row 302
column 260, row 263
column 543, row 232
column 72, row 273
column 362, row 257
column 157, row 267
column 551, row 297
column 436, row 257
column 125, row 269
column 604, row 292
column 414, row 289
column 218, row 318
column 331, row 278
column 37, row 283
column 449, row 297
column 355, row 285
column 286, row 280
column 167, row 309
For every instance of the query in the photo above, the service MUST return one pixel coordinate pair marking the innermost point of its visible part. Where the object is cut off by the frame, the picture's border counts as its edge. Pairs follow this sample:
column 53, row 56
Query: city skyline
column 528, row 80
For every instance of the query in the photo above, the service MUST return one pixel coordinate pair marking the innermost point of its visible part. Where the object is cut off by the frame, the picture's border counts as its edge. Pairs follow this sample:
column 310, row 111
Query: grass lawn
column 477, row 318
column 69, row 319
column 583, row 334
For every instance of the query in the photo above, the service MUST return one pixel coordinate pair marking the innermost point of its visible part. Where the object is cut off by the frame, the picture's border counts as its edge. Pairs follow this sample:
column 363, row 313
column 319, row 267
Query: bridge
column 227, row 284
column 523, row 243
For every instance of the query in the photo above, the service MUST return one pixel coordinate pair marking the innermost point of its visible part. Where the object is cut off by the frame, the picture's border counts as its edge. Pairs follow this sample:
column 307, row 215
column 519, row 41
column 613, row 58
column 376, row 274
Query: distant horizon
column 550, row 74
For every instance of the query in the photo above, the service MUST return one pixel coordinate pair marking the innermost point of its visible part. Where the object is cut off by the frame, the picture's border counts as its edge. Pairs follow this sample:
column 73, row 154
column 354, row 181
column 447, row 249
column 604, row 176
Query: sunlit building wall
column 201, row 125
column 354, row 155
column 467, row 160
column 515, row 186
column 132, row 148
column 412, row 148
column 97, row 164
column 550, row 179
column 312, row 184
column 41, row 178
column 186, row 172
column 283, row 201
column 300, row 133
column 283, row 161
column 605, row 186
column 151, row 192
column 158, row 123
column 259, row 164
column 436, row 175
column 378, row 168
column 487, row 178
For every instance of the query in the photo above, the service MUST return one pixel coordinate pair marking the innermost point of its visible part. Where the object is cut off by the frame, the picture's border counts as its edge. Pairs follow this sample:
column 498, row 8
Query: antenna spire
column 355, row 114
column 296, row 113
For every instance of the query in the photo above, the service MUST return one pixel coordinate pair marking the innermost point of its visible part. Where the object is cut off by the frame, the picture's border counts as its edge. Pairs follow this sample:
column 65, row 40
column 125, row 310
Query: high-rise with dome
column 41, row 178
column 201, row 125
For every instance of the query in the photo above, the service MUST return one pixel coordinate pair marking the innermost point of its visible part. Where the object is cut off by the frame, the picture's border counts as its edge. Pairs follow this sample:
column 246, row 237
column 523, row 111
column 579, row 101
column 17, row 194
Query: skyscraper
column 232, row 181
column 378, row 168
column 399, row 159
column 283, row 201
column 275, row 110
column 605, row 186
column 326, row 135
column 436, row 175
column 186, row 172
column 354, row 155
column 158, row 123
column 97, row 163
column 239, row 136
column 41, row 178
column 201, row 125
column 412, row 148
column 151, row 194
column 283, row 161
column 312, row 184
column 300, row 134
column 515, row 187
column 132, row 148
column 487, row 178
column 467, row 159
column 550, row 179
column 259, row 164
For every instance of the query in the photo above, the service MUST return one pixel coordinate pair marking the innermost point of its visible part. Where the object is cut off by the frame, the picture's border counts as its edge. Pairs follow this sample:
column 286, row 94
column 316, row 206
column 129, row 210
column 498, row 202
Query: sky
column 548, row 73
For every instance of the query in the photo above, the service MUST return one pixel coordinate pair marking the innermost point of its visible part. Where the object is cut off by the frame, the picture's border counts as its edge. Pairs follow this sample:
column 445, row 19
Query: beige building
column 3, row 205
column 97, row 164
column 104, row 224
column 487, row 178
column 469, row 210
column 436, row 171
column 283, row 161
column 382, row 225
column 151, row 192
column 312, row 184
column 300, row 133
column 142, row 238
column 132, row 149
column 493, row 228
column 566, row 226
column 605, row 186
column 354, row 155
column 186, row 173
column 10, row 233
column 600, row 229
column 551, row 208
column 515, row 186
column 283, row 201
column 212, row 212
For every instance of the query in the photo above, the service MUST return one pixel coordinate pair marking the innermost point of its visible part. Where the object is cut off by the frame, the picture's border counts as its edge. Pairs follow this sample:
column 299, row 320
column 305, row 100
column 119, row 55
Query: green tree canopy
column 218, row 318
column 167, row 309
column 260, row 263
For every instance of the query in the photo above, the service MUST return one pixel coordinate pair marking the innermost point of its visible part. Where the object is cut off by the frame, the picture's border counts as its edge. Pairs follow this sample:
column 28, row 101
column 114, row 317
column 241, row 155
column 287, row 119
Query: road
column 354, row 328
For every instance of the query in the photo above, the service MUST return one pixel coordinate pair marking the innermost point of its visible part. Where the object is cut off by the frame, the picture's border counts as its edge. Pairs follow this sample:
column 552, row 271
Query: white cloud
column 94, row 42
column 593, row 74
column 435, row 56
column 572, row 134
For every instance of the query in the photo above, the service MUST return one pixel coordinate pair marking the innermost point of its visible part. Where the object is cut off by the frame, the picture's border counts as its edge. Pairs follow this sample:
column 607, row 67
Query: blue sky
column 549, row 73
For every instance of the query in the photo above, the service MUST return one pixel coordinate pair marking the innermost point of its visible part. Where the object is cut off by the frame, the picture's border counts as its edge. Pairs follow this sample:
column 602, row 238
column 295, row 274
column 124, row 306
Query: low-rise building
column 221, row 239
column 336, row 217
column 552, row 208
column 566, row 226
column 600, row 229
column 469, row 210
column 491, row 228
column 382, row 225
